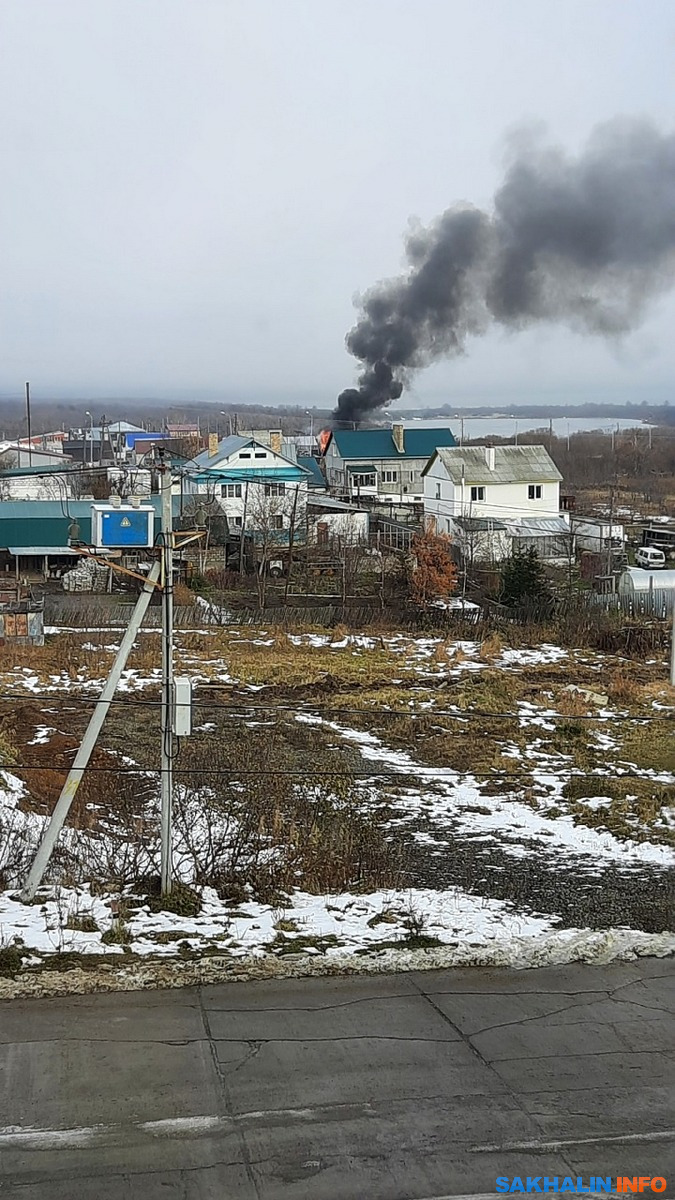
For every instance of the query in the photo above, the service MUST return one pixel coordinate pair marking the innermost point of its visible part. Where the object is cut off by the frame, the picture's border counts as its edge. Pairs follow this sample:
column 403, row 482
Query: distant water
column 508, row 427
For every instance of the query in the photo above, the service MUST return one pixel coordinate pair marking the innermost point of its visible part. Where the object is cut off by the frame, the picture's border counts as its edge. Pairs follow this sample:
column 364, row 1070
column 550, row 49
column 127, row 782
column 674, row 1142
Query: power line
column 58, row 472
column 316, row 709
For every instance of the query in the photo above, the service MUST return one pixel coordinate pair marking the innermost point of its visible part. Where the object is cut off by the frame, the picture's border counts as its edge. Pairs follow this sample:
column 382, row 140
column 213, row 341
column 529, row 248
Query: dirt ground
column 376, row 761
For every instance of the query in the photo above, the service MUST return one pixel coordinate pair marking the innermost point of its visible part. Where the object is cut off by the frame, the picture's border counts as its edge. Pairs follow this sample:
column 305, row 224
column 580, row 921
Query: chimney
column 397, row 435
column 275, row 440
column 490, row 457
column 213, row 444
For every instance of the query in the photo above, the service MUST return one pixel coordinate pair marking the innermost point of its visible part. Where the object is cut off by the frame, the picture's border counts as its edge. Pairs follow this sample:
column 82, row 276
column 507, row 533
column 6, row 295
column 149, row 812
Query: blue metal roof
column 316, row 479
column 134, row 436
column 379, row 443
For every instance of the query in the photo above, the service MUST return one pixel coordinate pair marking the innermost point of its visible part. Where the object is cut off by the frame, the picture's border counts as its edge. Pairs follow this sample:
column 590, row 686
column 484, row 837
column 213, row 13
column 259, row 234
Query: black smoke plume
column 584, row 241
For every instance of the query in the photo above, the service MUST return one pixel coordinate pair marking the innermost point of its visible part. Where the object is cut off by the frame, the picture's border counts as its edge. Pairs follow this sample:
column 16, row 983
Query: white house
column 492, row 499
column 258, row 488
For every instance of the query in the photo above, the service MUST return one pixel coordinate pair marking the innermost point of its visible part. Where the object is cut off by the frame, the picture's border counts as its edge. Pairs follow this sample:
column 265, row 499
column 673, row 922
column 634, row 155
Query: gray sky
column 194, row 190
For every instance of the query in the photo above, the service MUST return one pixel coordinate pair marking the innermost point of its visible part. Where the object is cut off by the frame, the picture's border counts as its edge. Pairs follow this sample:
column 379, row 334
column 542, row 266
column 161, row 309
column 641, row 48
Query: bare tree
column 274, row 512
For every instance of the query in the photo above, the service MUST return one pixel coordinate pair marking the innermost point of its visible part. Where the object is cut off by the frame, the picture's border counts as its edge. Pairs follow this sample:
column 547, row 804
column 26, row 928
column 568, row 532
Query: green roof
column 379, row 443
column 316, row 479
column 45, row 523
column 360, row 467
column 20, row 472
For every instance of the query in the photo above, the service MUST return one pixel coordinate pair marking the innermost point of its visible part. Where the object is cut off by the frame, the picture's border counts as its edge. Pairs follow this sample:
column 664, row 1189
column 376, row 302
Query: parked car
column 649, row 556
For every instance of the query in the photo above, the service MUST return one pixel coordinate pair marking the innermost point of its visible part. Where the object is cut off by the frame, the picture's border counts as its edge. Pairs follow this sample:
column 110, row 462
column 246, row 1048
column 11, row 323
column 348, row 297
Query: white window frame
column 535, row 491
column 477, row 493
column 367, row 480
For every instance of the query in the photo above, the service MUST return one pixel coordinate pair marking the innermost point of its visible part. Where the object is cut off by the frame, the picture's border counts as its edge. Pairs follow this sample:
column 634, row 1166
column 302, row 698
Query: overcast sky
column 193, row 191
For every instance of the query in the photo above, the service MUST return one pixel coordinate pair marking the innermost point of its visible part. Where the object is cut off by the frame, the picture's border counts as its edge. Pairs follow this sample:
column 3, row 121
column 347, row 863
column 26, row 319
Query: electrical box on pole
column 182, row 706
column 122, row 526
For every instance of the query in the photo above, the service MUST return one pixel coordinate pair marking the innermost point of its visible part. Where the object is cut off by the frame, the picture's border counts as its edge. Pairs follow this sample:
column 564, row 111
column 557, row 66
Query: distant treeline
column 219, row 418
column 49, row 415
column 653, row 414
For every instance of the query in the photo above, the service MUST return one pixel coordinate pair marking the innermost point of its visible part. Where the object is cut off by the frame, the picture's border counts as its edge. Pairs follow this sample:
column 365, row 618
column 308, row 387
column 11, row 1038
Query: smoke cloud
column 583, row 241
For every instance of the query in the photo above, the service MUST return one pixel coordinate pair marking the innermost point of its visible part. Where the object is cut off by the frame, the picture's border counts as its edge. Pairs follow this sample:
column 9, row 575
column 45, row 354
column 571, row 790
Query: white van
column 649, row 556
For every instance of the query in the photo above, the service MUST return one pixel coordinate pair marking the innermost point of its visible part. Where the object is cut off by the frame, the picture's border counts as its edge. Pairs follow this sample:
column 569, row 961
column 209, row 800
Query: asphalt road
column 388, row 1088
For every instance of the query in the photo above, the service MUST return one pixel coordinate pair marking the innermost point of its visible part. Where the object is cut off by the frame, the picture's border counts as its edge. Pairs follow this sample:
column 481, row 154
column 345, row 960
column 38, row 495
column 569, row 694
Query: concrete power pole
column 167, row 675
column 610, row 553
column 62, row 807
column 29, row 429
column 672, row 650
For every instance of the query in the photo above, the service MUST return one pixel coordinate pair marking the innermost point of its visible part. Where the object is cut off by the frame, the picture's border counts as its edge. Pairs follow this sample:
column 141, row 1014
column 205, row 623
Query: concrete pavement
column 397, row 1087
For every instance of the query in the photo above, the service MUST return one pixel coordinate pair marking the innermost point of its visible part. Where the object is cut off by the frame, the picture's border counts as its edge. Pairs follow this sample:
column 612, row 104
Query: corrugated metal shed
column 330, row 504
column 45, row 523
column 512, row 464
column 480, row 524
column 41, row 551
column 43, row 471
column 535, row 526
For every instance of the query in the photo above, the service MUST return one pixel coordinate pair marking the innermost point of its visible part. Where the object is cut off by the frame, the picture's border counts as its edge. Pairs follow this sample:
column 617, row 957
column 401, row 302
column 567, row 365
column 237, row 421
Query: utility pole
column 242, row 536
column 28, row 425
column 672, row 650
column 65, row 800
column 166, row 723
column 610, row 555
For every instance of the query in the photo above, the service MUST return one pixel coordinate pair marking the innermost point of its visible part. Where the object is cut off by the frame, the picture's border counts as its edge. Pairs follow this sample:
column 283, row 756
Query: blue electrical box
column 124, row 527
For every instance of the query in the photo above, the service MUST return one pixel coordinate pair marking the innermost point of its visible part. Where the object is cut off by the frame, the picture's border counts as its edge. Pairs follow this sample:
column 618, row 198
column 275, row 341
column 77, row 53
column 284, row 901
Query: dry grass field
column 530, row 787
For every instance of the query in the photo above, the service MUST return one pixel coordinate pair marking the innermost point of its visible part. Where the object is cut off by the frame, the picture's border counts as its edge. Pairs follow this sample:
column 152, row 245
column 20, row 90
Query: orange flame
column 323, row 439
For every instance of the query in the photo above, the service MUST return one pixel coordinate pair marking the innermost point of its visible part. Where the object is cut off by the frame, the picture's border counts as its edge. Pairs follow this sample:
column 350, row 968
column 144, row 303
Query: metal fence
column 657, row 603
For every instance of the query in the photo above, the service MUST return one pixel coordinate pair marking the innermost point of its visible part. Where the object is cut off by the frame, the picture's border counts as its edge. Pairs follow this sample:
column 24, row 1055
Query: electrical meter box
column 182, row 706
column 125, row 526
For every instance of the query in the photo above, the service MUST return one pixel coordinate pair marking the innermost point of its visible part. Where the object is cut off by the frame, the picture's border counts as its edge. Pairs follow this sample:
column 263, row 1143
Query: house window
column 438, row 491
column 236, row 520
column 477, row 493
column 390, row 476
column 534, row 491
column 412, row 476
column 245, row 454
column 231, row 490
column 277, row 522
column 275, row 489
column 363, row 481
column 260, row 454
